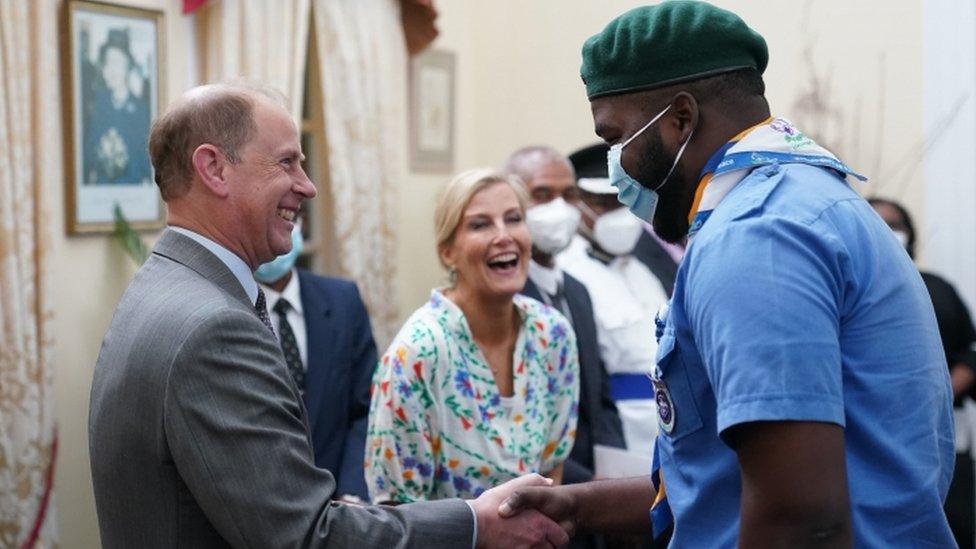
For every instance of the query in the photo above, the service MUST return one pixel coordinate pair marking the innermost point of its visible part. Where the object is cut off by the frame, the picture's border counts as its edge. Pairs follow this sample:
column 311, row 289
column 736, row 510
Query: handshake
column 530, row 512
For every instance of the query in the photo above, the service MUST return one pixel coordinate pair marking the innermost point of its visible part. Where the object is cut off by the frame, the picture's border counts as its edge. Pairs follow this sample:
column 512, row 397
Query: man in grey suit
column 197, row 433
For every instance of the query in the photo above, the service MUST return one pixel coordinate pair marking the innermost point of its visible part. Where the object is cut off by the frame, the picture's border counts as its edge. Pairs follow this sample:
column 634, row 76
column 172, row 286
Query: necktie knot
column 282, row 306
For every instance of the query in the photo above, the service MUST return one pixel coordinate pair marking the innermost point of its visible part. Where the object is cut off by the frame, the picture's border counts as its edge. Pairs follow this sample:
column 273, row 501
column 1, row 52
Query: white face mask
column 617, row 231
column 902, row 238
column 552, row 225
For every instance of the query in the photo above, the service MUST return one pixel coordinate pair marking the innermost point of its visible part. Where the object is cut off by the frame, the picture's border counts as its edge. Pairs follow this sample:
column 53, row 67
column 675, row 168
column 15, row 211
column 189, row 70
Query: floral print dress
column 438, row 427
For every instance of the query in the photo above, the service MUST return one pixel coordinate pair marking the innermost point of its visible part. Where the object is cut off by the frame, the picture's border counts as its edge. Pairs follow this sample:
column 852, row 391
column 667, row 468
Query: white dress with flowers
column 438, row 427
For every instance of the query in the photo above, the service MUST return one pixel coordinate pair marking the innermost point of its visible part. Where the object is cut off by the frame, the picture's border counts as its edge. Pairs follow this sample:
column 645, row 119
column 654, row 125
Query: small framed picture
column 432, row 112
column 112, row 57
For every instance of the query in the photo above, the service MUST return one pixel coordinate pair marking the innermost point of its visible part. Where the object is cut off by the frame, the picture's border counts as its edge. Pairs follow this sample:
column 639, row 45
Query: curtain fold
column 363, row 61
column 29, row 139
column 259, row 40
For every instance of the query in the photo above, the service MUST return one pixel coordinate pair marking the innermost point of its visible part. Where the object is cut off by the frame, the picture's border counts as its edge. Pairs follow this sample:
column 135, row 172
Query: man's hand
column 619, row 506
column 559, row 504
column 529, row 529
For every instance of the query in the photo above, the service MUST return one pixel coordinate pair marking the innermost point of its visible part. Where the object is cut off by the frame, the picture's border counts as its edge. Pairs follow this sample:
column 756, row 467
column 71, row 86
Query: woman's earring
column 452, row 275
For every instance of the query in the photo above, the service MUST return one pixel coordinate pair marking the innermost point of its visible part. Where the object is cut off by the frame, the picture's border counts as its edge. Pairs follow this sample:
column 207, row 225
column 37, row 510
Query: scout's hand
column 559, row 504
column 529, row 529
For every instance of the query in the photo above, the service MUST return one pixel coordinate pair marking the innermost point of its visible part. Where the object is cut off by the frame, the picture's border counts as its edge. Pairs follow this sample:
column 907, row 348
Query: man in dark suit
column 549, row 179
column 324, row 331
column 552, row 221
column 197, row 432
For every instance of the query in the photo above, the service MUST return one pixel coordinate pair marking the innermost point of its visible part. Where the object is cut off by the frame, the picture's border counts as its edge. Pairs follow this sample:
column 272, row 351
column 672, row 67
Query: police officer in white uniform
column 625, row 295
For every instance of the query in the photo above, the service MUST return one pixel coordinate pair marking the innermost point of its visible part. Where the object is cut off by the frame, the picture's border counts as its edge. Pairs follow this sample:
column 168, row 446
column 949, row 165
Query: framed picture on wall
column 113, row 59
column 432, row 112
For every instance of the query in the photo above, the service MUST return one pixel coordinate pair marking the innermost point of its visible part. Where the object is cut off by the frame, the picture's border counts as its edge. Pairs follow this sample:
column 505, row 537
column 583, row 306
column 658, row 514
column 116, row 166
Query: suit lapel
column 531, row 290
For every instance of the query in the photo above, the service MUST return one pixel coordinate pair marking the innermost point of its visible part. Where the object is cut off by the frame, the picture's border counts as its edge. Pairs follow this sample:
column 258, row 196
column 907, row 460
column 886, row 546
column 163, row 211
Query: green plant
column 129, row 238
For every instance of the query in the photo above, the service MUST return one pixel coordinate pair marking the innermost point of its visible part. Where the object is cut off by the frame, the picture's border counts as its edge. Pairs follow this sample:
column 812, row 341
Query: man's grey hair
column 219, row 114
column 527, row 161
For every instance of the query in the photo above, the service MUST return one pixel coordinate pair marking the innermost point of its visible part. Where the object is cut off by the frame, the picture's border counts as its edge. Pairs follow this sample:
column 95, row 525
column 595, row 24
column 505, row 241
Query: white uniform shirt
column 296, row 314
column 626, row 296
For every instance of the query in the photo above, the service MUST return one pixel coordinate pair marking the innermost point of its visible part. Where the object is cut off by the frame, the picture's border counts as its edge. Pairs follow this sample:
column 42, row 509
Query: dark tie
column 558, row 301
column 289, row 347
column 262, row 308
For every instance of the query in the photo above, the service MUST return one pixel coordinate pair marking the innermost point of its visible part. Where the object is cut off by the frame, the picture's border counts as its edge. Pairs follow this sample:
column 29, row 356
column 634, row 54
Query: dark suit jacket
column 341, row 360
column 649, row 252
column 198, row 436
column 598, row 420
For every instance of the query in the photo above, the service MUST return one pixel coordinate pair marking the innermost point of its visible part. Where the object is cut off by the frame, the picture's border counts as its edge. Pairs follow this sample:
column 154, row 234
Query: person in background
column 325, row 336
column 803, row 397
column 959, row 343
column 626, row 295
column 480, row 385
column 553, row 219
column 659, row 256
column 119, row 111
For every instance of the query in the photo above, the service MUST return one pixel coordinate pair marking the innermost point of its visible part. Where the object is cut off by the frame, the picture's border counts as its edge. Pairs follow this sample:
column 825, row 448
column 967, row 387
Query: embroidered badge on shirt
column 665, row 406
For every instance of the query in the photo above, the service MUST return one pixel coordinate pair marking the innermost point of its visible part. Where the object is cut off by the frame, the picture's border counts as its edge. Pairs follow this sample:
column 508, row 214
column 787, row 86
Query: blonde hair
column 458, row 194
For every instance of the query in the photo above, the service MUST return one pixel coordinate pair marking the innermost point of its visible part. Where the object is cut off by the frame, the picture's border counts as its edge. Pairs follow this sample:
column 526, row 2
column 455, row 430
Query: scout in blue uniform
column 802, row 392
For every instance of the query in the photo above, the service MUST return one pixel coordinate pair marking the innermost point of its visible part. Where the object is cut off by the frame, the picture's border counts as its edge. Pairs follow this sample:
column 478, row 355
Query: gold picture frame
column 113, row 65
column 432, row 117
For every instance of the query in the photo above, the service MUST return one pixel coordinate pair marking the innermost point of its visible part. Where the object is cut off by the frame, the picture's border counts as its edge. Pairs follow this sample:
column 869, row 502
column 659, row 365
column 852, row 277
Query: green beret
column 678, row 41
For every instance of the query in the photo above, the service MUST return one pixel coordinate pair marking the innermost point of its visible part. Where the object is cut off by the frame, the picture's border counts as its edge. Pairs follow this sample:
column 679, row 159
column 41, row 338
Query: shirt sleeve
column 563, row 389
column 763, row 299
column 399, row 453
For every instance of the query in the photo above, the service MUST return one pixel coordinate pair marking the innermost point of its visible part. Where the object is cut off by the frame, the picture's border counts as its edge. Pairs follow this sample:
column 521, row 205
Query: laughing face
column 268, row 185
column 490, row 249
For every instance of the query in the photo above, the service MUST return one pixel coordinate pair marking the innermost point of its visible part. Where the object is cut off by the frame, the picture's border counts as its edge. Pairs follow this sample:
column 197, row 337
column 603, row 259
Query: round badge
column 665, row 406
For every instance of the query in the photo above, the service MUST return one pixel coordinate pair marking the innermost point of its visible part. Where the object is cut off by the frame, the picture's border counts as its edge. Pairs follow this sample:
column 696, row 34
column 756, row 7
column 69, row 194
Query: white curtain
column 363, row 61
column 29, row 138
column 264, row 41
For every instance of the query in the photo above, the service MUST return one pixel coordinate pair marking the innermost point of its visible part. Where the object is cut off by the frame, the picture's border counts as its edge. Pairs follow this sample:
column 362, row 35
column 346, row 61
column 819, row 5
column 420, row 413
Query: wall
column 949, row 243
column 89, row 275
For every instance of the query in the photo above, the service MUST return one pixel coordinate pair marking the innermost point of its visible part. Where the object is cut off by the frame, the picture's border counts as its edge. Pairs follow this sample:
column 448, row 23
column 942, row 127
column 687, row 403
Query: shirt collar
column 291, row 293
column 547, row 279
column 236, row 265
column 713, row 162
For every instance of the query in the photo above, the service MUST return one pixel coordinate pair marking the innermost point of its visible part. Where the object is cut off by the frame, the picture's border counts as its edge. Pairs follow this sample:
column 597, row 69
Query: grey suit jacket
column 198, row 437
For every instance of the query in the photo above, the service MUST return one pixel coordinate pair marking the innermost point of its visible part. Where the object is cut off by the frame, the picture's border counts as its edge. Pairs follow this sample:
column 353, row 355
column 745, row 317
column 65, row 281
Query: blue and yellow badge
column 665, row 406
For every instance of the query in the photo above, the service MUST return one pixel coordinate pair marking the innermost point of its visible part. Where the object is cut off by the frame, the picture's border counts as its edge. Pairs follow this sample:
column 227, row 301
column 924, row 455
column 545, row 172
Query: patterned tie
column 262, row 308
column 289, row 346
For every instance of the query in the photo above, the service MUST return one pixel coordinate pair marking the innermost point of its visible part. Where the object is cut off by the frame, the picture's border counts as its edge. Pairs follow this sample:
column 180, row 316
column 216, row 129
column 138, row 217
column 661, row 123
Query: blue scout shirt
column 795, row 302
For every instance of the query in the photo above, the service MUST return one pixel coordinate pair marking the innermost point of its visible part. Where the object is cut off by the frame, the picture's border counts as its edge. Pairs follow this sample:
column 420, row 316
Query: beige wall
column 89, row 275
column 518, row 83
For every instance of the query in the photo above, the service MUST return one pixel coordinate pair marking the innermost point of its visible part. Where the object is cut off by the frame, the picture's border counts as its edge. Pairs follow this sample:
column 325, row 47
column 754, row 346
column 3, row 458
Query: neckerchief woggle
column 772, row 141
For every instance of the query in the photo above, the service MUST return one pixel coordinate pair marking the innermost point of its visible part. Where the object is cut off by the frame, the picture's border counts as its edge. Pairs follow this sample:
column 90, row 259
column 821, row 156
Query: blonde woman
column 480, row 386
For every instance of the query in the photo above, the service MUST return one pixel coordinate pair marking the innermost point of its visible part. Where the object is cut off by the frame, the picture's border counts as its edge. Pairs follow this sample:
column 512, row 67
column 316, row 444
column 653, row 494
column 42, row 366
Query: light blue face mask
column 278, row 267
column 639, row 199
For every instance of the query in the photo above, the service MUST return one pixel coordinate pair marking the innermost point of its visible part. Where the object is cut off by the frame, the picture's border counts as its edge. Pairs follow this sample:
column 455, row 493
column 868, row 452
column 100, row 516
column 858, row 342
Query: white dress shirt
column 296, row 314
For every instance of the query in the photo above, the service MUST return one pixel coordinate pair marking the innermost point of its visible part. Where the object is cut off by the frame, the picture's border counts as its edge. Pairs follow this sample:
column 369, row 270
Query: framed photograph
column 432, row 112
column 112, row 93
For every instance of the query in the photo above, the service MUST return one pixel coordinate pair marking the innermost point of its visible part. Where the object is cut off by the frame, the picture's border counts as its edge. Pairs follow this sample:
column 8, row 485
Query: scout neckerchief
column 772, row 141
